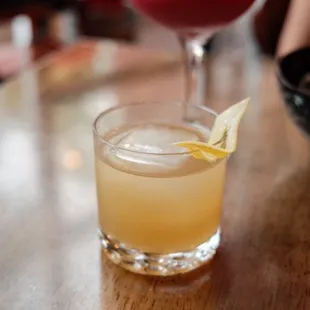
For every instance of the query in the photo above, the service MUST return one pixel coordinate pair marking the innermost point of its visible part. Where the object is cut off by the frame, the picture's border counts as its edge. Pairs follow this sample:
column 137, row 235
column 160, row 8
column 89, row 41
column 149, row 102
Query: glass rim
column 122, row 106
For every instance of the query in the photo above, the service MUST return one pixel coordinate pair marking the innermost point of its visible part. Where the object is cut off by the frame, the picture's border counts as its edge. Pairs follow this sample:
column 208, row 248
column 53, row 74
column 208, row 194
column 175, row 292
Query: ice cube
column 157, row 139
column 148, row 142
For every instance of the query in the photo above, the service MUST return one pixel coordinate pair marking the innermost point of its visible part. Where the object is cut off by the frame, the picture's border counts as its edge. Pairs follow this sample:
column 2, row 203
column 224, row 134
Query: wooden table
column 50, row 256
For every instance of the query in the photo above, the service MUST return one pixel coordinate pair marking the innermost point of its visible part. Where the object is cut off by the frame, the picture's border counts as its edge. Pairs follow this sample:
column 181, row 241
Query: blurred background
column 30, row 29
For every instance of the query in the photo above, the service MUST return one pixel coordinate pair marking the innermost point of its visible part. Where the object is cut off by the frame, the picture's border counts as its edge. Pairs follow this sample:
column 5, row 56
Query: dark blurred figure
column 283, row 26
column 268, row 24
column 106, row 18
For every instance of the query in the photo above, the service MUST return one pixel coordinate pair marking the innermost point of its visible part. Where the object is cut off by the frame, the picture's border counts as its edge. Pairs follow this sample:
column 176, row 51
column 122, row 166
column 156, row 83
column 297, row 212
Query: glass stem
column 193, row 57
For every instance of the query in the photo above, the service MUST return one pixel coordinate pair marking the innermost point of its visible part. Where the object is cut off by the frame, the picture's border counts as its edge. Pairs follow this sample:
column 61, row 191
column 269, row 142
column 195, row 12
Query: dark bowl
column 294, row 80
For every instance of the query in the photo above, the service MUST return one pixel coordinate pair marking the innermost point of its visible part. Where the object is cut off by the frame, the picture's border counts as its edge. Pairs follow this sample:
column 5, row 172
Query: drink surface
column 185, row 14
column 157, row 203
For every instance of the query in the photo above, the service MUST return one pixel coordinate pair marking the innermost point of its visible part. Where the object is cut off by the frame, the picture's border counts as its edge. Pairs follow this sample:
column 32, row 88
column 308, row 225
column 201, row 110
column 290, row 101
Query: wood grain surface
column 50, row 257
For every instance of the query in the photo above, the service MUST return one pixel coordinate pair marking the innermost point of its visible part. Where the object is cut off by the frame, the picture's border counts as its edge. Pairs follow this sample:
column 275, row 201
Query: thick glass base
column 158, row 264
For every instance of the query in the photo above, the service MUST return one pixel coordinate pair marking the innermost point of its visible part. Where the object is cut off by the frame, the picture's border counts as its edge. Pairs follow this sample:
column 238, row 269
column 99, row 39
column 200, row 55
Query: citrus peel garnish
column 223, row 137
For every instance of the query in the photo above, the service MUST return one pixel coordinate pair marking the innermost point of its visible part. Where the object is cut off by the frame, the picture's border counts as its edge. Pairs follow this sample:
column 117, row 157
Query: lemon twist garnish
column 224, row 135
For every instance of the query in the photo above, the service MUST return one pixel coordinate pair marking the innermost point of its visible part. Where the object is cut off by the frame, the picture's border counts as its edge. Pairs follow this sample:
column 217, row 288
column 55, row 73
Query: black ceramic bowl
column 294, row 80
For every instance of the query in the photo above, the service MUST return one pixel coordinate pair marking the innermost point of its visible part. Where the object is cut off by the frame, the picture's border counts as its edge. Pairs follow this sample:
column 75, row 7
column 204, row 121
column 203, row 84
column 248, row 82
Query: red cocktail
column 194, row 21
column 194, row 14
